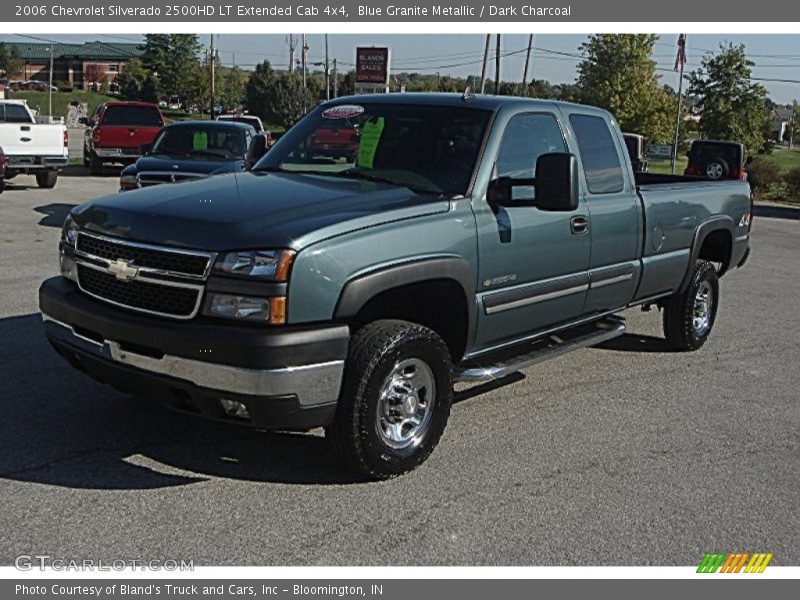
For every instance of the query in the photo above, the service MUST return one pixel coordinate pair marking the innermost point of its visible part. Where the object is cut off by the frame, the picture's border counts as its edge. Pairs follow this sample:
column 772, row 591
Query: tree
column 94, row 73
column 258, row 88
column 287, row 102
column 618, row 74
column 131, row 80
column 733, row 107
column 11, row 62
column 173, row 58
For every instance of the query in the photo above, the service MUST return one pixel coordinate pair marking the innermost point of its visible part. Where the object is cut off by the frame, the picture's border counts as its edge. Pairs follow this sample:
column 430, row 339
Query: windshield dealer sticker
column 200, row 140
column 368, row 142
column 345, row 111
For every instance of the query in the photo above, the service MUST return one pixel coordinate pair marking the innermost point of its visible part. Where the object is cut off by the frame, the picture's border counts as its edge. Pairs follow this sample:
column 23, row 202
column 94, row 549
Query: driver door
column 533, row 264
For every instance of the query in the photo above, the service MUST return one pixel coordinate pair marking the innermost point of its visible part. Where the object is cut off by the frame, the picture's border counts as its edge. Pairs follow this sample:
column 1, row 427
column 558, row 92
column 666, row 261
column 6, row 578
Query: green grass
column 61, row 100
column 784, row 158
column 663, row 166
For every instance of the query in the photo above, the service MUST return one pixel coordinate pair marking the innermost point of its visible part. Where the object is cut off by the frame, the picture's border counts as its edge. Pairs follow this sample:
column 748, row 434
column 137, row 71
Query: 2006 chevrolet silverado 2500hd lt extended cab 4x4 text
column 351, row 292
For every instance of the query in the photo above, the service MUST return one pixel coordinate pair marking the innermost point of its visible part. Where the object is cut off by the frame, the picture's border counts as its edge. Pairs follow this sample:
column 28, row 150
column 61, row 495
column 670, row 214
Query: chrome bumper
column 115, row 153
column 313, row 384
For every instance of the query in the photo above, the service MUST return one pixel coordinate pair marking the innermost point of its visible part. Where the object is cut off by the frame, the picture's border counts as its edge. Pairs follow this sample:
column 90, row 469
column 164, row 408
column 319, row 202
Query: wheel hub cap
column 702, row 311
column 405, row 404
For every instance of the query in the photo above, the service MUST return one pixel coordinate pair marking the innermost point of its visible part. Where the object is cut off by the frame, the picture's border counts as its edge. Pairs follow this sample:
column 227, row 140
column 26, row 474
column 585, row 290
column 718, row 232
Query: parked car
column 713, row 159
column 469, row 237
column 252, row 120
column 334, row 140
column 31, row 147
column 190, row 150
column 636, row 151
column 116, row 131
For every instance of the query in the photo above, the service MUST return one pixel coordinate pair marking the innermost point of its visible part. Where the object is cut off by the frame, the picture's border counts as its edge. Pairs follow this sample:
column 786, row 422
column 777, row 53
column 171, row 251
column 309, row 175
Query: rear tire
column 689, row 317
column 2, row 184
column 395, row 401
column 47, row 180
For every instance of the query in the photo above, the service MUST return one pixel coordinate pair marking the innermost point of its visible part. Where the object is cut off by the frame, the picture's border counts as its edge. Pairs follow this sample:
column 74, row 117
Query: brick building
column 71, row 61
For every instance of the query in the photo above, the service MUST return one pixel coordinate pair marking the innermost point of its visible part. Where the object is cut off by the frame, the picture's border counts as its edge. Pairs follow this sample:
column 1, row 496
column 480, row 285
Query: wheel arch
column 416, row 291
column 713, row 240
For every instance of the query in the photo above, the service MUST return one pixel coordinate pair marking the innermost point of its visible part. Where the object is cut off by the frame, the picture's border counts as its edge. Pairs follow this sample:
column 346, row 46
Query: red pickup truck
column 116, row 131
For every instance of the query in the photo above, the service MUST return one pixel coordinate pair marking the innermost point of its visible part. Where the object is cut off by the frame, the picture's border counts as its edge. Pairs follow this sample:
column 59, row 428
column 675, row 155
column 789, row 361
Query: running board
column 497, row 366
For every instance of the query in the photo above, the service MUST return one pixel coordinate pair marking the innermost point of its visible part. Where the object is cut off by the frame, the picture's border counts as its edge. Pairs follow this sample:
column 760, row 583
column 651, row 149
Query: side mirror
column 258, row 147
column 144, row 149
column 556, row 182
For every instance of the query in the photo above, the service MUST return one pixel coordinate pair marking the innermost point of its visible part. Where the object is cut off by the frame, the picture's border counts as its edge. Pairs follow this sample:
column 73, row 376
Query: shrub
column 792, row 180
column 762, row 175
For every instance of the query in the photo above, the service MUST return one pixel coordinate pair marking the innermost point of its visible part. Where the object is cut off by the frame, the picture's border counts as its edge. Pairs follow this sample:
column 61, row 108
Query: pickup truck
column 116, row 132
column 32, row 147
column 469, row 237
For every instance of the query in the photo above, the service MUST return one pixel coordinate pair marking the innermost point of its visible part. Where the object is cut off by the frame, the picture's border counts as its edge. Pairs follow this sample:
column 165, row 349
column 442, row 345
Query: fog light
column 234, row 408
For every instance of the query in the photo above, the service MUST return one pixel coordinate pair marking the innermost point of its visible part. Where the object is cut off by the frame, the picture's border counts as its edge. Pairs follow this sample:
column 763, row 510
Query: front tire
column 689, row 317
column 396, row 398
column 47, row 180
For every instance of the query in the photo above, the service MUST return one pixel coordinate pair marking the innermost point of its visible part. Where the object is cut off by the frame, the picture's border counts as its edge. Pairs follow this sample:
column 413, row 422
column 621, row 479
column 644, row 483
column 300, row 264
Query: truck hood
column 183, row 165
column 252, row 210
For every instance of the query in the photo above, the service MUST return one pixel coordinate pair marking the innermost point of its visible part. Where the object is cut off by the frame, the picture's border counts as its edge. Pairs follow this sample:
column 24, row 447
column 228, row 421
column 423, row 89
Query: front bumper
column 287, row 378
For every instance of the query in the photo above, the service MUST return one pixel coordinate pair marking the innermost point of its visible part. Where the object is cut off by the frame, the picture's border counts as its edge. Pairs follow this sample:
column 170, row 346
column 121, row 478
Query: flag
column 680, row 59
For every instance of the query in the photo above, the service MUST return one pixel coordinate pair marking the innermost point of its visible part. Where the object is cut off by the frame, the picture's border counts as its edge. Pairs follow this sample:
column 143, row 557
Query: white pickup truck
column 32, row 145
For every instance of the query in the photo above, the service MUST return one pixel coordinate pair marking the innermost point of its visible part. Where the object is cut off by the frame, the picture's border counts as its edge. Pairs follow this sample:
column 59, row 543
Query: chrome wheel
column 405, row 404
column 703, row 308
column 714, row 171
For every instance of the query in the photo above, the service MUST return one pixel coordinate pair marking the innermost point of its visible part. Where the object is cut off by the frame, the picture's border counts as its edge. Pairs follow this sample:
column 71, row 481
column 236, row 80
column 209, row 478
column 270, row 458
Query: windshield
column 201, row 143
column 431, row 149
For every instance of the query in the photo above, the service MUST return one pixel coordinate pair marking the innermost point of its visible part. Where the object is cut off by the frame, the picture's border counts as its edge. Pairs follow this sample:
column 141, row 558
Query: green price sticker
column 368, row 142
column 200, row 140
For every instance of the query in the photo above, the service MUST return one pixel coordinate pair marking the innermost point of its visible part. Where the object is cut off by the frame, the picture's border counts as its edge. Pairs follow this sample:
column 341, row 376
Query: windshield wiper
column 379, row 179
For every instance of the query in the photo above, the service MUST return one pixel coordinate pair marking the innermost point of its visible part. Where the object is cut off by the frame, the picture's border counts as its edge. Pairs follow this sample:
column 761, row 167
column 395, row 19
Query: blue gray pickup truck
column 466, row 237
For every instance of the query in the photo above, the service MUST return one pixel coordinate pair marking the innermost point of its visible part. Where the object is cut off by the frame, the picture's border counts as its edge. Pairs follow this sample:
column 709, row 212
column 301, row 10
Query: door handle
column 579, row 225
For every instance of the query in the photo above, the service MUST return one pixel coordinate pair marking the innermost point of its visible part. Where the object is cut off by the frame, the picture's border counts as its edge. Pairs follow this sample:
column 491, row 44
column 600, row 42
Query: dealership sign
column 372, row 68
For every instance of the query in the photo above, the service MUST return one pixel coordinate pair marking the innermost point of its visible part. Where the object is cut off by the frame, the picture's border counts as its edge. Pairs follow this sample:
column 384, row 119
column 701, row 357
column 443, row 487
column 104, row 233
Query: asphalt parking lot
column 624, row 454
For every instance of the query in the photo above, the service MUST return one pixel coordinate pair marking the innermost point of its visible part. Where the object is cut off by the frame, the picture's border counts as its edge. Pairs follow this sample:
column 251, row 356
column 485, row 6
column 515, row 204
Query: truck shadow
column 63, row 429
column 635, row 342
column 54, row 214
column 81, row 171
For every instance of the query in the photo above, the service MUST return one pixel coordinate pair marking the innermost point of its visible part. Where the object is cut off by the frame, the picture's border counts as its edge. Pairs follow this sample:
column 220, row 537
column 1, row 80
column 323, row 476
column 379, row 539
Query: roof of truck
column 484, row 101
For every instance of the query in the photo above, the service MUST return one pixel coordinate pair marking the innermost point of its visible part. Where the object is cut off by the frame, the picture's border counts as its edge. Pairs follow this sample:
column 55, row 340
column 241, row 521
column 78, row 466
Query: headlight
column 271, row 265
column 249, row 308
column 129, row 182
column 69, row 232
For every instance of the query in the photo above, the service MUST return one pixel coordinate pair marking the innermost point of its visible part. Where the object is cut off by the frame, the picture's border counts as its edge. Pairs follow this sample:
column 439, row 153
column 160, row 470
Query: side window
column 598, row 154
column 527, row 136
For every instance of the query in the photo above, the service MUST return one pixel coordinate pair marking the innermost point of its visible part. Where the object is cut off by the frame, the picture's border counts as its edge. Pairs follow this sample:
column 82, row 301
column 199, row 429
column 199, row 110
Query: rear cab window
column 599, row 154
column 132, row 116
column 14, row 113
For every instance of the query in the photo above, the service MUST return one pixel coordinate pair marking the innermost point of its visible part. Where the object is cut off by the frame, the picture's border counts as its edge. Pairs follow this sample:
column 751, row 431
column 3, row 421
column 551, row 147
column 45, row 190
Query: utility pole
column 485, row 61
column 327, row 71
column 335, row 80
column 304, row 52
column 497, row 67
column 213, row 76
column 291, row 41
column 678, row 112
column 527, row 62
column 50, row 87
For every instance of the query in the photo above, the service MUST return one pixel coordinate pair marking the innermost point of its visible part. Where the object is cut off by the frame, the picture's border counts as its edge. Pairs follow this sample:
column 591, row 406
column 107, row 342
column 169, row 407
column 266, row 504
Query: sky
column 776, row 56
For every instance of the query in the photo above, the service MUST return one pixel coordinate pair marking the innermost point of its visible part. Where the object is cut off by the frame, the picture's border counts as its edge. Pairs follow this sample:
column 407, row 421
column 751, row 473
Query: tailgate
column 124, row 136
column 26, row 139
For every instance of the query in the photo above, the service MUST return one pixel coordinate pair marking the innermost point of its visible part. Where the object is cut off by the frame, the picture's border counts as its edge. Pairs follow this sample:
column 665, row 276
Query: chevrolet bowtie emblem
column 122, row 270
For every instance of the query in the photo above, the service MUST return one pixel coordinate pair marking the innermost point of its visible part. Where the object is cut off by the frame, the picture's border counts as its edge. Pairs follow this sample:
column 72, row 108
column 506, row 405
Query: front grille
column 154, row 297
column 148, row 179
column 177, row 262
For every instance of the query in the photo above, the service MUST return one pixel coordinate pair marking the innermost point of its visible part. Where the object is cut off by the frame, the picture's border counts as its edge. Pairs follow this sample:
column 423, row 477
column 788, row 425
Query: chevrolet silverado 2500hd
column 465, row 238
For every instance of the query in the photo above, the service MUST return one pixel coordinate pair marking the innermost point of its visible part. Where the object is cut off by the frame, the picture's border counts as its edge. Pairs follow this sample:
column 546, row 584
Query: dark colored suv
column 116, row 131
column 714, row 159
